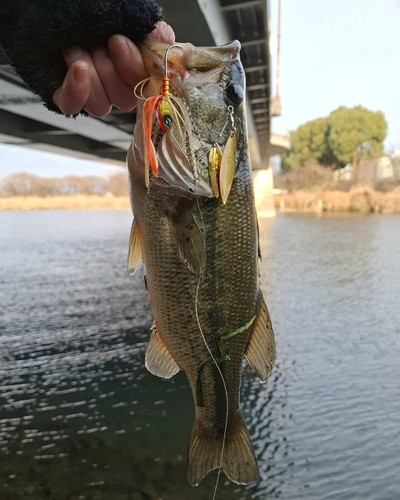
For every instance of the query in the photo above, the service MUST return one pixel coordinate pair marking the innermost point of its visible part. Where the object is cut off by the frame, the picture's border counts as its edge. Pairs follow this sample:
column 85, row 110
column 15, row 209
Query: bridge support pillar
column 263, row 187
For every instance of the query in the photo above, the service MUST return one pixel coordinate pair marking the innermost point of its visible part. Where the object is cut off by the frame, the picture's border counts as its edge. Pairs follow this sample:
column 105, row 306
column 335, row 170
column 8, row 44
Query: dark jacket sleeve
column 34, row 32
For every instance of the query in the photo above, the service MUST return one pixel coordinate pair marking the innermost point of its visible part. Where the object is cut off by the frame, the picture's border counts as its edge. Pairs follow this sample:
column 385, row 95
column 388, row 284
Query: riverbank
column 360, row 199
column 73, row 202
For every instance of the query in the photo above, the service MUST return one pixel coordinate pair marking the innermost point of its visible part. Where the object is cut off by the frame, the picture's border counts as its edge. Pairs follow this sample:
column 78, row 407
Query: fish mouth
column 186, row 56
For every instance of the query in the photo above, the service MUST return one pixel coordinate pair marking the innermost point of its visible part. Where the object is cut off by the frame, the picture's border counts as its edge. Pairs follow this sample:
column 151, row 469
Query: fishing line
column 231, row 119
column 213, row 359
column 223, row 383
column 138, row 91
column 230, row 110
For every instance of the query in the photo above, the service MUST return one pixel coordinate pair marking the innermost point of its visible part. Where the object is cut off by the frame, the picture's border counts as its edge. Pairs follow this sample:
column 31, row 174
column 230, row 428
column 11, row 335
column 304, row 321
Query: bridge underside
column 25, row 122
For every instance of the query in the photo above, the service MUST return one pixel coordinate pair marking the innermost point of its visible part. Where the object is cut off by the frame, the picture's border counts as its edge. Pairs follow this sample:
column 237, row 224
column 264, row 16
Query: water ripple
column 81, row 418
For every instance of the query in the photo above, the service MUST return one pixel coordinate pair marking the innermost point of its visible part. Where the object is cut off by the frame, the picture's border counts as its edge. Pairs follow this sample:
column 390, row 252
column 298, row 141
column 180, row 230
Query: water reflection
column 81, row 418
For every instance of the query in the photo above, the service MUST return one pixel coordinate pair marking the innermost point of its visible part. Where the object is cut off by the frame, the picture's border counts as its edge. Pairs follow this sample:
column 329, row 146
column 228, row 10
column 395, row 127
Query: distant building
column 388, row 167
column 385, row 168
column 343, row 174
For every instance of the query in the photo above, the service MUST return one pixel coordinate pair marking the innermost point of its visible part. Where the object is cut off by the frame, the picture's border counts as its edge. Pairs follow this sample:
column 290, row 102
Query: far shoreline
column 72, row 202
column 360, row 199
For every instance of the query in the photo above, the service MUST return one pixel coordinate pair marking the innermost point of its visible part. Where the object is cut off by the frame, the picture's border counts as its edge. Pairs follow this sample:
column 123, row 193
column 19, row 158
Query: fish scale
column 201, row 258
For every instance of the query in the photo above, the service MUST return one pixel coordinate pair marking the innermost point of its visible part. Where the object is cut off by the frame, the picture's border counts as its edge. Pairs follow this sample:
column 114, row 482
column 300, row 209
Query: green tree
column 309, row 141
column 347, row 135
column 356, row 134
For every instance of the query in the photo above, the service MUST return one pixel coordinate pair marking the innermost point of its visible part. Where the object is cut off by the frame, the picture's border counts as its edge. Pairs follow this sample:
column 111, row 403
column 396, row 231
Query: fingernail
column 81, row 74
column 120, row 48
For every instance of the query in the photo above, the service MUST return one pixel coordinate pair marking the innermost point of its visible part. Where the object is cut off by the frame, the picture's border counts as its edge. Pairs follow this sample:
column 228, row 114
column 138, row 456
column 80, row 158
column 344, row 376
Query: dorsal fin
column 135, row 249
column 159, row 360
column 260, row 351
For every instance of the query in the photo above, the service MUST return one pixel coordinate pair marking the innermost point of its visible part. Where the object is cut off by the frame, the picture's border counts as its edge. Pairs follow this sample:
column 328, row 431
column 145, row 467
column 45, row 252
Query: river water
column 81, row 418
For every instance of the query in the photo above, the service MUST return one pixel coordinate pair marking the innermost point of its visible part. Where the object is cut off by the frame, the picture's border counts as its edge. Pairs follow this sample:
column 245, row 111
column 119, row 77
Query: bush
column 311, row 176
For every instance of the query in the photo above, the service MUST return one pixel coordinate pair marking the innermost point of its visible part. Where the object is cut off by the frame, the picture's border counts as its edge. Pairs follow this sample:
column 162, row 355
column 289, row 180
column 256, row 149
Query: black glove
column 33, row 34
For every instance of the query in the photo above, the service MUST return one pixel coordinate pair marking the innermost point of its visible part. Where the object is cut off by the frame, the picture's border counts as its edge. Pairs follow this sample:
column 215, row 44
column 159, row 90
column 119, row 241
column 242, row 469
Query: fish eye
column 235, row 93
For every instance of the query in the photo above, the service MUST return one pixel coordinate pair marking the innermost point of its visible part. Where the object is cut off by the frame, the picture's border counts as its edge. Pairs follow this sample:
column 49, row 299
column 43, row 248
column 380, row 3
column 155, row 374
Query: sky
column 22, row 159
column 339, row 53
column 333, row 53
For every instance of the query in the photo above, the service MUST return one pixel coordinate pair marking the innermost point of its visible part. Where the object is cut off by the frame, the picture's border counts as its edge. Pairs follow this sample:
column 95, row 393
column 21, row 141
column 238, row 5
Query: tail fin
column 238, row 462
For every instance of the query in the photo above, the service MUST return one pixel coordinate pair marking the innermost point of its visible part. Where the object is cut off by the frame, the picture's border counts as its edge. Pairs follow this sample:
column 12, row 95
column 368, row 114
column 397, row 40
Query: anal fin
column 159, row 360
column 260, row 351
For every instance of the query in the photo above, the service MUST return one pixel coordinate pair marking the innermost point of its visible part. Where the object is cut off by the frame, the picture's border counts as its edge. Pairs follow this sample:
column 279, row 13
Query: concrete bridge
column 25, row 122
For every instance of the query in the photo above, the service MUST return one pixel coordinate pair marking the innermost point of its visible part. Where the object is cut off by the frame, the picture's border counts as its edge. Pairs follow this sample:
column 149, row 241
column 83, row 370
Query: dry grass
column 359, row 199
column 78, row 202
column 309, row 177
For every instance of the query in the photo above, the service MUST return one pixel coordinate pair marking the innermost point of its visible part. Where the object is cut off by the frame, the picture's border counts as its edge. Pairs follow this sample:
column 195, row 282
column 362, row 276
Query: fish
column 195, row 229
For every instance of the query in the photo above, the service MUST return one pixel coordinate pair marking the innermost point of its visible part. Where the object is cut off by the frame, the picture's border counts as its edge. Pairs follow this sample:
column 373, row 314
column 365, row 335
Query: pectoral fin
column 135, row 250
column 189, row 240
column 260, row 352
column 159, row 360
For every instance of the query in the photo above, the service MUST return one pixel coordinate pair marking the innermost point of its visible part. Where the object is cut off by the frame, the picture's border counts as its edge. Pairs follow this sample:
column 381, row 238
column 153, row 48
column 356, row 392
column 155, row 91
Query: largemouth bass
column 195, row 228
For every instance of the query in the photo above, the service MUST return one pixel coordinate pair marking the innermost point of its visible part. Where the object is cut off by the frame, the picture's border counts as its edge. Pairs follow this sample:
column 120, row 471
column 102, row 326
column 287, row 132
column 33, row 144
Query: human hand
column 105, row 77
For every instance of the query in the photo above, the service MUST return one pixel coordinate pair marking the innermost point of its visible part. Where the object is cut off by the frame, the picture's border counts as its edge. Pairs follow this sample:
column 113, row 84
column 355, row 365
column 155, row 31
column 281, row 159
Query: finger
column 71, row 97
column 127, row 60
column 163, row 33
column 119, row 93
column 97, row 103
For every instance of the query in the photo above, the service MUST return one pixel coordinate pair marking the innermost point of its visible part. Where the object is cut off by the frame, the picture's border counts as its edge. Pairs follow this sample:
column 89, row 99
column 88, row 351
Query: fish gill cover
column 34, row 32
